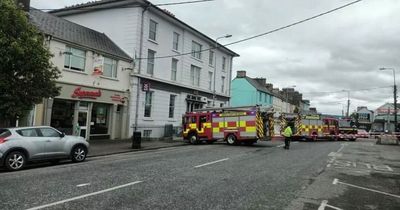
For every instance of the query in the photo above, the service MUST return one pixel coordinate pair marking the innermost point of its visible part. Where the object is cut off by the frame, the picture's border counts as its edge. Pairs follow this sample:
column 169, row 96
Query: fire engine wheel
column 231, row 139
column 193, row 139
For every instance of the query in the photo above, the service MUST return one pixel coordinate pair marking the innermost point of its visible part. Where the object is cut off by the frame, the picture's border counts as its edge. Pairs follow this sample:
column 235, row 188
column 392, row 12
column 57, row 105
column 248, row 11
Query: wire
column 127, row 6
column 262, row 34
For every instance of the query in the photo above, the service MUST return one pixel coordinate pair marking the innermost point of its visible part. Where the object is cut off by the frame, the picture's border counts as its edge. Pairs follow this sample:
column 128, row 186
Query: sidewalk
column 108, row 147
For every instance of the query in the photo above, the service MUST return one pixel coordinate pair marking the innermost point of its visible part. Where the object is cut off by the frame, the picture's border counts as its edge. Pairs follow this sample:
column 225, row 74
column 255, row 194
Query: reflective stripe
column 250, row 129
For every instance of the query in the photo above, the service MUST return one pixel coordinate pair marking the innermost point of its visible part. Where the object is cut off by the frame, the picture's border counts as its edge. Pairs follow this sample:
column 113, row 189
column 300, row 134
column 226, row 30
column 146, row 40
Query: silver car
column 21, row 145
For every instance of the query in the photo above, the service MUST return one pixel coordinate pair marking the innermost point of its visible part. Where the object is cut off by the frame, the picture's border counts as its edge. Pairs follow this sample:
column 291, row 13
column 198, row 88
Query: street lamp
column 287, row 96
column 394, row 95
column 215, row 63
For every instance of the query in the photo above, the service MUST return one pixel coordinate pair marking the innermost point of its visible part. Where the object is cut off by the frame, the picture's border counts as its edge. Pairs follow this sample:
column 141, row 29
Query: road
column 218, row 176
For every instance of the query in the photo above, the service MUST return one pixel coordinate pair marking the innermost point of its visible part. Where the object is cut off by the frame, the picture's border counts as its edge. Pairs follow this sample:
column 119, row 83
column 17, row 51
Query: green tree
column 26, row 73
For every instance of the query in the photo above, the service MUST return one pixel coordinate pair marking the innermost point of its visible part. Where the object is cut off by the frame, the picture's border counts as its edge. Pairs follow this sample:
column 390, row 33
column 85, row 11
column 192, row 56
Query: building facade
column 178, row 68
column 364, row 118
column 383, row 120
column 94, row 97
column 248, row 91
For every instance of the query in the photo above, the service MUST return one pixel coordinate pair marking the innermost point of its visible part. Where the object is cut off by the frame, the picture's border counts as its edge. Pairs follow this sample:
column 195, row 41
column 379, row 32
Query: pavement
column 108, row 147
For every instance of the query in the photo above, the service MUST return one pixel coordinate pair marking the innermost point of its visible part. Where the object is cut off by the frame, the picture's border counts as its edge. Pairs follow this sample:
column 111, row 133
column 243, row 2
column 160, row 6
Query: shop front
column 92, row 113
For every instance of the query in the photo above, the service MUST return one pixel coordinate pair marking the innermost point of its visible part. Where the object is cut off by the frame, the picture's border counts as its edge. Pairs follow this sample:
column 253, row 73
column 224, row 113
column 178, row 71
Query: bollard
column 136, row 140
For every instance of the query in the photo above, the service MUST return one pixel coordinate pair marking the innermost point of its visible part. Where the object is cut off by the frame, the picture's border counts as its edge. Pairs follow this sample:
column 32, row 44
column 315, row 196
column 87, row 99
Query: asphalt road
column 218, row 176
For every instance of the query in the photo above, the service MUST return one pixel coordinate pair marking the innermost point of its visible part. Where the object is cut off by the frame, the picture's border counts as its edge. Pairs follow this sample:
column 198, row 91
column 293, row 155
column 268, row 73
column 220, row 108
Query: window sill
column 76, row 71
column 152, row 41
column 172, row 120
column 199, row 60
column 148, row 119
column 109, row 78
column 175, row 51
column 212, row 66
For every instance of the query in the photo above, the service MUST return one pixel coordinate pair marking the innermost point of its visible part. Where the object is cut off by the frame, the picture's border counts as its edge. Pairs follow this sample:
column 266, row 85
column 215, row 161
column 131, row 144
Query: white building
column 175, row 71
column 93, row 106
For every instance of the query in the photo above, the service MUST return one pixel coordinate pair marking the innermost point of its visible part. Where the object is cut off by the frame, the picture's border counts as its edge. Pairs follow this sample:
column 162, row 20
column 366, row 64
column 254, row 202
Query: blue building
column 246, row 91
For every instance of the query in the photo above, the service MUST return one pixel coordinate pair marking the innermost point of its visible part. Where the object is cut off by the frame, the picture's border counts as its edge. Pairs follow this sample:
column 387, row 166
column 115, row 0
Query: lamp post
column 215, row 63
column 394, row 96
column 287, row 97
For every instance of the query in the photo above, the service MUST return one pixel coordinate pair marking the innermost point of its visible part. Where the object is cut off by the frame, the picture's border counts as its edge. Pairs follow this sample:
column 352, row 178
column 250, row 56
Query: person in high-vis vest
column 287, row 133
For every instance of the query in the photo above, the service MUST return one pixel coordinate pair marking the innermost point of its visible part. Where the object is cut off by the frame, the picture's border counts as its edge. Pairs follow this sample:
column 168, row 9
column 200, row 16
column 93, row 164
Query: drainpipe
column 139, row 67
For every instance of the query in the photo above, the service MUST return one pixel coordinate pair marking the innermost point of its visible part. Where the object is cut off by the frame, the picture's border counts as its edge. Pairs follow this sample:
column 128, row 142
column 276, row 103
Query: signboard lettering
column 79, row 93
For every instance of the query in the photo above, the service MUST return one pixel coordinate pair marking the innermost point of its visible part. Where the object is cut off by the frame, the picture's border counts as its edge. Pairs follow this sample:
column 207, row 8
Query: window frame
column 146, row 105
column 223, row 63
column 69, row 54
column 171, row 110
column 196, row 53
column 195, row 73
column 150, row 61
column 114, row 65
column 175, row 41
column 210, row 79
column 174, row 69
column 151, row 32
column 211, row 58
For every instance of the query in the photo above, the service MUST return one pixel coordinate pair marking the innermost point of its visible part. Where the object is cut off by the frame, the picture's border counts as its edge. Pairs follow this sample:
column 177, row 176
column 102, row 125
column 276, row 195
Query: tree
column 26, row 73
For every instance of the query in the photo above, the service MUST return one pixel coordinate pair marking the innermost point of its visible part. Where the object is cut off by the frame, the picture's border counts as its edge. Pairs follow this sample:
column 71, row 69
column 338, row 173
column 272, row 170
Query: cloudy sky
column 340, row 51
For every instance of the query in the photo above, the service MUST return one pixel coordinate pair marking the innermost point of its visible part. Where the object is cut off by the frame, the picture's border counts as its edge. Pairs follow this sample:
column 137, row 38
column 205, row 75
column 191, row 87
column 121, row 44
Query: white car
column 21, row 145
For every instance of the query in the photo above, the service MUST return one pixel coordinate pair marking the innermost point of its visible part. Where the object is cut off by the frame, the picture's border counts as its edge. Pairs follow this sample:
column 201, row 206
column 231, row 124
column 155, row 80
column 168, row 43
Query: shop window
column 74, row 59
column 171, row 106
column 62, row 115
column 99, row 119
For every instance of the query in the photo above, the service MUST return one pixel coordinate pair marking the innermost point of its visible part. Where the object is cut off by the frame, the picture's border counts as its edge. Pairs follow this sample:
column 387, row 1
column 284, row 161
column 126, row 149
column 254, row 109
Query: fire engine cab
column 233, row 124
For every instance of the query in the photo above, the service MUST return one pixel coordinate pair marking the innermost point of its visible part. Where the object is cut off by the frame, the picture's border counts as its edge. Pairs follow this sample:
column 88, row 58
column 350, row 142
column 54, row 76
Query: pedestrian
column 287, row 133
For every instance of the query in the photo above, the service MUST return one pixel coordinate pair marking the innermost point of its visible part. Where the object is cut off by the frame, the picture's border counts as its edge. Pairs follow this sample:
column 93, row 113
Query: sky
column 322, row 57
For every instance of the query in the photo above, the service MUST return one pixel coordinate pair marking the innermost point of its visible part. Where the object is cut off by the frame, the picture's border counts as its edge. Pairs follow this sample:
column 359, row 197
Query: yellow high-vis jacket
column 288, row 132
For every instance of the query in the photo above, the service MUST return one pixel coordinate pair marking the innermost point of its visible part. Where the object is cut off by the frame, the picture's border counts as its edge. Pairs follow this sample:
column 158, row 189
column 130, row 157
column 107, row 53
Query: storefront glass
column 62, row 116
column 99, row 119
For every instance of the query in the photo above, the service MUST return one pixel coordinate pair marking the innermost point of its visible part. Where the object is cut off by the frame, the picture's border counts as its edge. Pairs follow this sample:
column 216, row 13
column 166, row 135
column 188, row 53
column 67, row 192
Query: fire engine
column 311, row 127
column 346, row 130
column 233, row 124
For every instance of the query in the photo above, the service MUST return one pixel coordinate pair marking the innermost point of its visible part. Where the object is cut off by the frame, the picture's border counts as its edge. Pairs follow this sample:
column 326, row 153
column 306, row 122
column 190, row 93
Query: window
column 196, row 50
column 260, row 96
column 174, row 69
column 195, row 75
column 223, row 64
column 210, row 78
column 148, row 104
column 28, row 132
column 211, row 58
column 48, row 132
column 171, row 106
column 146, row 133
column 222, row 84
column 74, row 59
column 153, row 30
column 175, row 42
column 266, row 98
column 150, row 61
column 110, row 68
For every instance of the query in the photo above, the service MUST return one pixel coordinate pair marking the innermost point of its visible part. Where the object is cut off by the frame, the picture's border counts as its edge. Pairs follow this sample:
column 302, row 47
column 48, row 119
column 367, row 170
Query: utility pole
column 348, row 102
column 394, row 96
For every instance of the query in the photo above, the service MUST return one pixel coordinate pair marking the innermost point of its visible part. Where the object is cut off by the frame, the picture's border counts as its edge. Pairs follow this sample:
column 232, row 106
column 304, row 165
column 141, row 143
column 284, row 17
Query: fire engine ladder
column 237, row 108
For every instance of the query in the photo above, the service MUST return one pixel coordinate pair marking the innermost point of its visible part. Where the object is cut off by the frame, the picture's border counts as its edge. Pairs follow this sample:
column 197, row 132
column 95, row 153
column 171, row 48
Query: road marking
column 82, row 185
column 366, row 170
column 335, row 154
column 324, row 204
column 84, row 196
column 336, row 181
column 206, row 164
column 281, row 145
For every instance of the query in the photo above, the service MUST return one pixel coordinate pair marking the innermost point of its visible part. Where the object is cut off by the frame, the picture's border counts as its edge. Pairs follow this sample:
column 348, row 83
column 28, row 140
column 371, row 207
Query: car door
column 54, row 146
column 32, row 142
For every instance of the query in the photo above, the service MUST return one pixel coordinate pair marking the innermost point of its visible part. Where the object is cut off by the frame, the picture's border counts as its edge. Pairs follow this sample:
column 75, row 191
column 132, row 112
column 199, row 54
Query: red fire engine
column 233, row 124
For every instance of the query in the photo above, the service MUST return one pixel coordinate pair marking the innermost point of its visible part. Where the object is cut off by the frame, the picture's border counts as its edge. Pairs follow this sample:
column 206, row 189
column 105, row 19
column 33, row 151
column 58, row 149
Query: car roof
column 28, row 127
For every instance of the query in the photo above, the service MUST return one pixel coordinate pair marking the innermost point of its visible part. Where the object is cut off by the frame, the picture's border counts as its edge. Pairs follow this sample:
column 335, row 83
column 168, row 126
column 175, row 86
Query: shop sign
column 146, row 86
column 79, row 93
column 118, row 98
column 98, row 63
column 312, row 117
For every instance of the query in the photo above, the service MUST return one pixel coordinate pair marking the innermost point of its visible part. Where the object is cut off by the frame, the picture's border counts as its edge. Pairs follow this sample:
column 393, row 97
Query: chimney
column 241, row 74
column 261, row 81
column 269, row 86
column 24, row 4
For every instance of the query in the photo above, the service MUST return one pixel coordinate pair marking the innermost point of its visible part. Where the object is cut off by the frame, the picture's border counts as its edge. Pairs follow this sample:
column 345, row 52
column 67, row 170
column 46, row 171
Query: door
column 54, row 146
column 32, row 142
column 83, row 123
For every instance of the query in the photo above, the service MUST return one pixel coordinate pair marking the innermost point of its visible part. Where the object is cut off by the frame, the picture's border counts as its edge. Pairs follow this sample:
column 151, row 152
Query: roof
column 107, row 4
column 256, row 85
column 73, row 33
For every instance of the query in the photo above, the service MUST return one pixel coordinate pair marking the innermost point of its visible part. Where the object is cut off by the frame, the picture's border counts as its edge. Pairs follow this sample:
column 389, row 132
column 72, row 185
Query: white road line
column 365, row 170
column 84, row 196
column 341, row 148
column 281, row 145
column 206, row 164
column 296, row 142
column 82, row 185
column 324, row 204
column 336, row 181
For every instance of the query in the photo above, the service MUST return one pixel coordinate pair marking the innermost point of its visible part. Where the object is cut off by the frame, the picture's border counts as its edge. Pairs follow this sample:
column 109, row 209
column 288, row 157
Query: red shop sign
column 78, row 93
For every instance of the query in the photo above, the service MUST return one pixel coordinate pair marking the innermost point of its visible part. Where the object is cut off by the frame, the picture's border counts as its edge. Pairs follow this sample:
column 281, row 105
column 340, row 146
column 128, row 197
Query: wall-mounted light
column 65, row 53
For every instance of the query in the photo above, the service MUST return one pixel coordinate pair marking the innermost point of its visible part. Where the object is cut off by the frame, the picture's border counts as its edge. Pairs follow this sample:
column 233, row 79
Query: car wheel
column 15, row 161
column 193, row 139
column 78, row 154
column 231, row 139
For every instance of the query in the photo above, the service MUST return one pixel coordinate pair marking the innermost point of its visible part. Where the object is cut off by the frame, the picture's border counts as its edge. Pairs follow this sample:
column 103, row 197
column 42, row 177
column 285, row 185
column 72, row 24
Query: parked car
column 361, row 133
column 21, row 145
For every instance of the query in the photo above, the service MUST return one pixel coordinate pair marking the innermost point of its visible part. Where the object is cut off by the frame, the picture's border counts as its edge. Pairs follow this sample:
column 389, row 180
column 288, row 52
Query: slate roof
column 258, row 86
column 75, row 34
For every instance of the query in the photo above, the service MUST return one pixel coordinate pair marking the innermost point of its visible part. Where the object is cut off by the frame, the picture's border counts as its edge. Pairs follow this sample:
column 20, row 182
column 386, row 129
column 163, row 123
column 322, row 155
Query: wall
column 242, row 93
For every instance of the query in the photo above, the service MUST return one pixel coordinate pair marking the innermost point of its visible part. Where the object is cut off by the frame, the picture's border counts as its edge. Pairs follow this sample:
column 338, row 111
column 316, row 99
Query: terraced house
column 177, row 68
